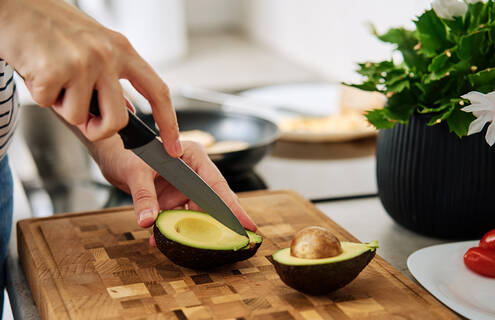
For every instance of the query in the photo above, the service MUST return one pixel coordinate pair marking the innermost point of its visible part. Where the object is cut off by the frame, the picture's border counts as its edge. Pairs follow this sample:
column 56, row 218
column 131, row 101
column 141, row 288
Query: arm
column 63, row 55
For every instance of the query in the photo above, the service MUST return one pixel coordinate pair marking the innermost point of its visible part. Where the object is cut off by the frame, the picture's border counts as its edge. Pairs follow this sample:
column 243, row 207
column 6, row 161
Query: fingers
column 113, row 110
column 45, row 89
column 130, row 106
column 152, row 87
column 196, row 157
column 168, row 196
column 142, row 187
column 74, row 104
column 152, row 241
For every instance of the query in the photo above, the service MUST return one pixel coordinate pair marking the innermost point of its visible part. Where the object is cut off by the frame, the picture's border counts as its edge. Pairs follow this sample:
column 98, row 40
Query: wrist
column 101, row 150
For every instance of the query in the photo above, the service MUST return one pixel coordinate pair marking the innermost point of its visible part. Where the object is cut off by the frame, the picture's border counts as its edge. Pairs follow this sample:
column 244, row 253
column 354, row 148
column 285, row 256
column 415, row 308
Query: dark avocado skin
column 247, row 252
column 195, row 258
column 323, row 278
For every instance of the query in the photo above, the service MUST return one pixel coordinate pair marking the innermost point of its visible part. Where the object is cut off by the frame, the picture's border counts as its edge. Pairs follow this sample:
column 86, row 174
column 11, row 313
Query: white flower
column 483, row 108
column 473, row 1
column 448, row 9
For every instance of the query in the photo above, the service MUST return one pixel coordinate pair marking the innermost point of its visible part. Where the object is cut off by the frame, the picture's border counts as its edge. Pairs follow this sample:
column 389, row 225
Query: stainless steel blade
column 182, row 177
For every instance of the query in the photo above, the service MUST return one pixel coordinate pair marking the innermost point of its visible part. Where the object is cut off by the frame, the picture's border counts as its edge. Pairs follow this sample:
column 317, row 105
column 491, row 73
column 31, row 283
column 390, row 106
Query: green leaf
column 470, row 45
column 490, row 9
column 425, row 109
column 406, row 42
column 374, row 71
column 397, row 80
column 486, row 88
column 482, row 77
column 455, row 28
column 367, row 86
column 439, row 67
column 462, row 66
column 459, row 122
column 432, row 34
column 436, row 119
column 399, row 36
column 396, row 75
column 383, row 66
column 442, row 66
column 439, row 63
column 477, row 14
column 398, row 86
column 401, row 106
column 378, row 119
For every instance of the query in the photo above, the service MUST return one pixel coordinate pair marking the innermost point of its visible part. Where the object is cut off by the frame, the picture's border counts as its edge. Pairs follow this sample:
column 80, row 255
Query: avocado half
column 321, row 276
column 196, row 240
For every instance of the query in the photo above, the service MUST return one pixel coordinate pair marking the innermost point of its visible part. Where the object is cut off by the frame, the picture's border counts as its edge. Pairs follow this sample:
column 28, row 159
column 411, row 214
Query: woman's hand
column 64, row 55
column 150, row 192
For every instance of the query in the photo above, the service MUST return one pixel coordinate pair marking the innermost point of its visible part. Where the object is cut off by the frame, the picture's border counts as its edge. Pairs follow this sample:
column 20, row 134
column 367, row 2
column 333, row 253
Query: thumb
column 142, row 187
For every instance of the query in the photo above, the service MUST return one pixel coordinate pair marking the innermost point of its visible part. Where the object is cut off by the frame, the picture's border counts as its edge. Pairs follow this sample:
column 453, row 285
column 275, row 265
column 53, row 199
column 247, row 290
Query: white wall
column 213, row 15
column 326, row 35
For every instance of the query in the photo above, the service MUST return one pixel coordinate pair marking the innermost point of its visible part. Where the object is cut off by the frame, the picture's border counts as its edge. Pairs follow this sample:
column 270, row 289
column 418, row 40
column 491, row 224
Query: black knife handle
column 135, row 134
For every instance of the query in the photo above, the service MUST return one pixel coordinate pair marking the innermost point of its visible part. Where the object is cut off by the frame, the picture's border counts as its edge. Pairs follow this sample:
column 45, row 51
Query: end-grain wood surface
column 98, row 265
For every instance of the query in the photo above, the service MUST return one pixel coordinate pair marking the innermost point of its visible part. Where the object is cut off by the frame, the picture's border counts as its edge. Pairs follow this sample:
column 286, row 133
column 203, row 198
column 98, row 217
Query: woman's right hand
column 64, row 55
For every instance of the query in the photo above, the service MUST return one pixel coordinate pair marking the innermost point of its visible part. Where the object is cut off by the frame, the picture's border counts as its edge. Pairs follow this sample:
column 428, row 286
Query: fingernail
column 152, row 241
column 146, row 214
column 178, row 148
column 254, row 224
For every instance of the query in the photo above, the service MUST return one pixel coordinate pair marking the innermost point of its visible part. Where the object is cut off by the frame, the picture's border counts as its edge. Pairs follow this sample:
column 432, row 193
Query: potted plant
column 435, row 172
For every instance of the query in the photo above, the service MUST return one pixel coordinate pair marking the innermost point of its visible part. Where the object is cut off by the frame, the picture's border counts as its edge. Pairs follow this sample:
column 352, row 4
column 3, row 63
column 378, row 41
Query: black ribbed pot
column 434, row 183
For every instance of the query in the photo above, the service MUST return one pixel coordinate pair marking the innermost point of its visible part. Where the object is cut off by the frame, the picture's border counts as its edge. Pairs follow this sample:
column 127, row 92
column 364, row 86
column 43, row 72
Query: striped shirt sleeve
column 9, row 106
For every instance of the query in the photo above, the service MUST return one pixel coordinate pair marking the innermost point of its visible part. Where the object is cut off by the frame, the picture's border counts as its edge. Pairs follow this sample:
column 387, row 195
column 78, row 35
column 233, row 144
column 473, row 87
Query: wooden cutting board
column 98, row 265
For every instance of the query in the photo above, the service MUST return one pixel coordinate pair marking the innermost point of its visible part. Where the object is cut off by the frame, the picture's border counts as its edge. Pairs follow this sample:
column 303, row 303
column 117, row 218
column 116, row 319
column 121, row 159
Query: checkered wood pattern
column 99, row 265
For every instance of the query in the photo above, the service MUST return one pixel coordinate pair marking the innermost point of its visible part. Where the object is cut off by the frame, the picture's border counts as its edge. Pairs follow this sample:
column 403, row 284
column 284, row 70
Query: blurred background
column 280, row 53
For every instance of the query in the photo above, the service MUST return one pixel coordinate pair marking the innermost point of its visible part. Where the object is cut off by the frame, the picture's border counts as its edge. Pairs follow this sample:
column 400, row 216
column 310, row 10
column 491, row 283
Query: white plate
column 441, row 270
column 321, row 99
column 318, row 101
column 314, row 99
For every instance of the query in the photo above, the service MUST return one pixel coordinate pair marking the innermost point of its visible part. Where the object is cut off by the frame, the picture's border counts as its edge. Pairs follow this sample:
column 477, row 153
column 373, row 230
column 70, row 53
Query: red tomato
column 481, row 261
column 488, row 240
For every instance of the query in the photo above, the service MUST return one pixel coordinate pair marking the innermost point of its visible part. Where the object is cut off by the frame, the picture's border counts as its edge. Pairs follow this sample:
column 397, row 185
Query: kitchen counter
column 367, row 220
column 322, row 171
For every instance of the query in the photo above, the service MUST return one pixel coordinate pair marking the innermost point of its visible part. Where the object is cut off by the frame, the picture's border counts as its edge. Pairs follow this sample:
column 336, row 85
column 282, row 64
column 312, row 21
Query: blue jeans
column 6, row 208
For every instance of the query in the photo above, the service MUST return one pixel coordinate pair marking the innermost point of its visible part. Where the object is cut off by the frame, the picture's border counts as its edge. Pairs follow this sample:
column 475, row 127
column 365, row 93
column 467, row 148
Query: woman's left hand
column 150, row 192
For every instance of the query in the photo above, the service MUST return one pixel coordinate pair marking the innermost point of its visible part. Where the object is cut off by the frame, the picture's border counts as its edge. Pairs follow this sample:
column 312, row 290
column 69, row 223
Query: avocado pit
column 315, row 243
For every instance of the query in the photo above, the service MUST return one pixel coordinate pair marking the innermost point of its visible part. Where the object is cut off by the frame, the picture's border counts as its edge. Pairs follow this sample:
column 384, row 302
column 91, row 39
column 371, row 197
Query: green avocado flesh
column 321, row 276
column 197, row 240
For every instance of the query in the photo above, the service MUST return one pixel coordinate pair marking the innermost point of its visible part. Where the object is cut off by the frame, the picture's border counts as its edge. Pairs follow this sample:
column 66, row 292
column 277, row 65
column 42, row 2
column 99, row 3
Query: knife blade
column 145, row 143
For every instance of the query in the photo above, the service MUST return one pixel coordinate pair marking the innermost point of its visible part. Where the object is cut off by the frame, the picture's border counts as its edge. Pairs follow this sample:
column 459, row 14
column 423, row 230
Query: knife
column 145, row 143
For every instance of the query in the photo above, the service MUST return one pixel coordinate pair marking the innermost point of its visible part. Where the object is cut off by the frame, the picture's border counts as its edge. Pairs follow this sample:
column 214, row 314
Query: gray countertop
column 320, row 171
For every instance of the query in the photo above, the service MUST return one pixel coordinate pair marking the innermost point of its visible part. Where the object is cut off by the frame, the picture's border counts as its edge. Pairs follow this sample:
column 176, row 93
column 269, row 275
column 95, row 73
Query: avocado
column 196, row 240
column 321, row 276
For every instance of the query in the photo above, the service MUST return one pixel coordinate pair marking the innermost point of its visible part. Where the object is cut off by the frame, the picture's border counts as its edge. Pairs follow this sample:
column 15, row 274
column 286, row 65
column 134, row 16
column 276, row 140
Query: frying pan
column 258, row 132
